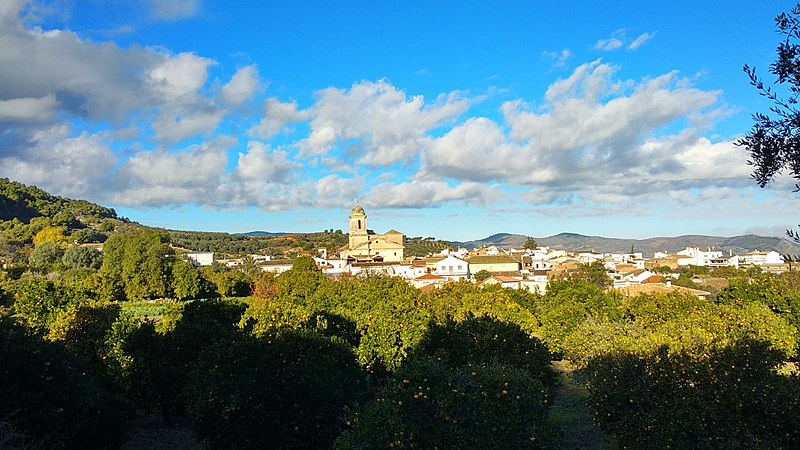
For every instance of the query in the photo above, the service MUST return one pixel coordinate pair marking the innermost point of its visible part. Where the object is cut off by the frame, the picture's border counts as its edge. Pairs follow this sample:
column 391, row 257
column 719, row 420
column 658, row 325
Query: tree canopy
column 774, row 140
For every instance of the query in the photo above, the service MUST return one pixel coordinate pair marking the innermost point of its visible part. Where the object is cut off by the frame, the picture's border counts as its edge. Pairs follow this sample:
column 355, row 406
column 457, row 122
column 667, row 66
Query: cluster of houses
column 525, row 268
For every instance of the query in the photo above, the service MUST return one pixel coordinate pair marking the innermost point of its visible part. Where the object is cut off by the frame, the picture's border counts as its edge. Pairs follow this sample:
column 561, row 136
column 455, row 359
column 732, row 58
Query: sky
column 451, row 119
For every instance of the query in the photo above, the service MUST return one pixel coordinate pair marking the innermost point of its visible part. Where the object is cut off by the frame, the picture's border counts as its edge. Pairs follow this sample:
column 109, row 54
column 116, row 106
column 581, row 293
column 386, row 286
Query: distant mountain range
column 263, row 234
column 579, row 242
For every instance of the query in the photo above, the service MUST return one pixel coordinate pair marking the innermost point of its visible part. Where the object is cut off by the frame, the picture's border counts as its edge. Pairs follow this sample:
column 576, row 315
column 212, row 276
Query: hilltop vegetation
column 26, row 211
column 286, row 245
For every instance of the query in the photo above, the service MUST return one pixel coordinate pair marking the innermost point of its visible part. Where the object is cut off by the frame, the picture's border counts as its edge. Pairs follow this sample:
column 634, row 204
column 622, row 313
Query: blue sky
column 448, row 119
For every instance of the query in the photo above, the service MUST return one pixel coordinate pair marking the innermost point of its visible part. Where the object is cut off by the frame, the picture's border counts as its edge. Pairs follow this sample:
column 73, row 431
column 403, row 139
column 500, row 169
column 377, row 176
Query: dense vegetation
column 90, row 341
column 373, row 363
column 287, row 245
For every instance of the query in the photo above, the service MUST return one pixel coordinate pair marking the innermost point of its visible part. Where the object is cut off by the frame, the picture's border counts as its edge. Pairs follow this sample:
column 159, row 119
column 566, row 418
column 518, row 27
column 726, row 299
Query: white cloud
column 242, row 86
column 388, row 125
column 180, row 75
column 641, row 40
column 29, row 108
column 174, row 127
column 595, row 139
column 422, row 194
column 277, row 115
column 559, row 58
column 262, row 163
column 170, row 10
column 608, row 44
column 76, row 166
column 165, row 178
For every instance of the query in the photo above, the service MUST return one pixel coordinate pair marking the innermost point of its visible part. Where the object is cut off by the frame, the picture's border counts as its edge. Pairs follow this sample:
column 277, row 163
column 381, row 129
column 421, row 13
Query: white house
column 201, row 259
column 693, row 256
column 452, row 268
column 758, row 258
column 428, row 279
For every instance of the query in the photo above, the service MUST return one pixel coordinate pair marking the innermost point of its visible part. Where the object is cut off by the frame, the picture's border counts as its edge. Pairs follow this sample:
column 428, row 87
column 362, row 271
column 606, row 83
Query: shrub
column 428, row 405
column 51, row 399
column 290, row 393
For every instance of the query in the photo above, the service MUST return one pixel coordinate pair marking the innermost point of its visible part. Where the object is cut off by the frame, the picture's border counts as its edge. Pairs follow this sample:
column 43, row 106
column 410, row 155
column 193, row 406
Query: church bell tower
column 358, row 226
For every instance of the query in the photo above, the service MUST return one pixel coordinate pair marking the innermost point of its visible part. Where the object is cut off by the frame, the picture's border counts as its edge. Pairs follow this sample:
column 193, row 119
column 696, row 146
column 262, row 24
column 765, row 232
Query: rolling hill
column 579, row 242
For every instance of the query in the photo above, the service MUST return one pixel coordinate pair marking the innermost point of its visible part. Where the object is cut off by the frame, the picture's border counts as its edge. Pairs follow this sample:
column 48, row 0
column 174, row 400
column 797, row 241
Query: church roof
column 357, row 210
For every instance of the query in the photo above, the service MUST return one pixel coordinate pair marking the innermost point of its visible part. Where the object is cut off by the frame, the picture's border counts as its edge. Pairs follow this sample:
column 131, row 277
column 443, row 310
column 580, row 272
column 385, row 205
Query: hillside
column 579, row 242
column 26, row 210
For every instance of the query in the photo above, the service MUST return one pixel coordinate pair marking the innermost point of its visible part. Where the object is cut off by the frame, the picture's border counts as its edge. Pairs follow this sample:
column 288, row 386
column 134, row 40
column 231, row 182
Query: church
column 366, row 246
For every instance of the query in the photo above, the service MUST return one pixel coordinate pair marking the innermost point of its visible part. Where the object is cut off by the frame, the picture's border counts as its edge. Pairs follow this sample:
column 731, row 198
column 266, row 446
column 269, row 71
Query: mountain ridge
column 578, row 242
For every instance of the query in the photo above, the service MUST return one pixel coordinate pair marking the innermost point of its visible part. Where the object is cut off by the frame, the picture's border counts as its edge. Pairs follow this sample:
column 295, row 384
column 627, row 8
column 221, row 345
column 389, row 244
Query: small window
column 359, row 224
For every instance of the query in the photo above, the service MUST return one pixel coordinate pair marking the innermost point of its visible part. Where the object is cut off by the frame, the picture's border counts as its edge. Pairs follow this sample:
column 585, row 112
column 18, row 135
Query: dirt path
column 572, row 414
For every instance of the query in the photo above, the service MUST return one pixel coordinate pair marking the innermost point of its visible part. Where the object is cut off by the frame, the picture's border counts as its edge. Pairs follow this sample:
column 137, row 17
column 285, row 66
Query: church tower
column 358, row 226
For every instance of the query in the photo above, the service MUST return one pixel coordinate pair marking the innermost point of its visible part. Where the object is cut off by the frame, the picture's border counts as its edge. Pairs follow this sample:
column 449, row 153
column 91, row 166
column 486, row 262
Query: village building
column 200, row 259
column 493, row 264
column 452, row 268
column 367, row 246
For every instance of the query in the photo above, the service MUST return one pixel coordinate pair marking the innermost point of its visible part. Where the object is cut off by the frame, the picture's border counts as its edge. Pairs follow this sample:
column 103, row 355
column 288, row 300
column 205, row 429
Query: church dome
column 357, row 210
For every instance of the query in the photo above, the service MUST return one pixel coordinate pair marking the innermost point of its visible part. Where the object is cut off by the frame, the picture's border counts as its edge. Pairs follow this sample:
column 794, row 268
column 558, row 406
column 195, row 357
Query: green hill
column 26, row 210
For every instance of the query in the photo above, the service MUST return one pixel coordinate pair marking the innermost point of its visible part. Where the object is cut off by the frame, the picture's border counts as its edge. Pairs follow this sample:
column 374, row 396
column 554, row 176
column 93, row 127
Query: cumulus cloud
column 277, row 116
column 242, row 86
column 96, row 82
column 29, row 108
column 262, row 163
column 72, row 166
column 174, row 127
column 180, row 75
column 160, row 177
column 423, row 194
column 388, row 125
column 596, row 137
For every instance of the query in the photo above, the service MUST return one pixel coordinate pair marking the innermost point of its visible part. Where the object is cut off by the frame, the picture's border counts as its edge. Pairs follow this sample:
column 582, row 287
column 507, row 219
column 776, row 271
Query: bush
column 428, row 405
column 730, row 398
column 292, row 393
column 50, row 399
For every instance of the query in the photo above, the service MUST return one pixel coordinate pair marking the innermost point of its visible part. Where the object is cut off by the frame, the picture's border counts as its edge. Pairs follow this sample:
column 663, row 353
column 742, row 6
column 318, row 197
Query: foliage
column 77, row 257
column 55, row 235
column 278, row 244
column 484, row 341
column 430, row 405
column 38, row 301
column 595, row 273
column 188, row 283
column 51, row 399
column 139, row 260
column 482, row 275
column 228, row 283
column 46, row 255
column 26, row 202
column 568, row 304
column 418, row 246
column 530, row 243
column 773, row 141
column 290, row 393
column 729, row 398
